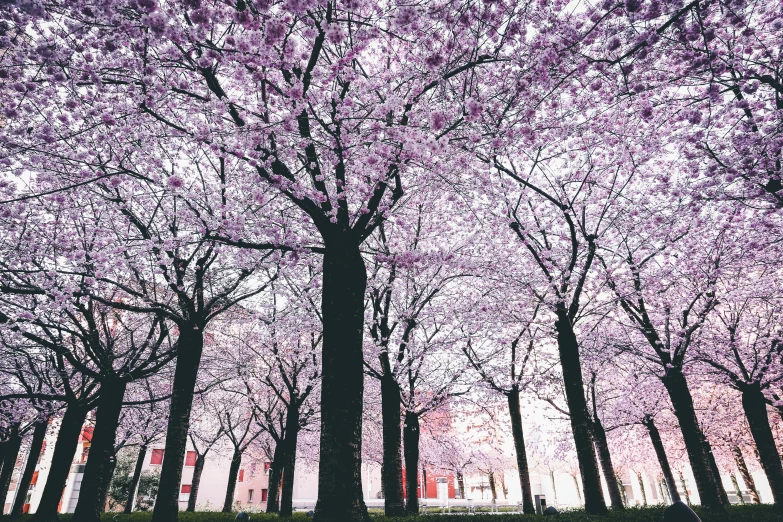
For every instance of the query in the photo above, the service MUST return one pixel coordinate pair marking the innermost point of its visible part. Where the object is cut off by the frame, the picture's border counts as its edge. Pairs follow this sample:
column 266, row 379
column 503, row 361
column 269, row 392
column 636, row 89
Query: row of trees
column 532, row 187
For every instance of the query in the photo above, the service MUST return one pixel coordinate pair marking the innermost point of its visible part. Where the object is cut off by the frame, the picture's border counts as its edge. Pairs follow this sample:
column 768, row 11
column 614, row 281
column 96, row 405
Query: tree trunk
column 340, row 497
column 97, row 470
column 9, row 462
column 580, row 418
column 492, row 488
column 391, row 471
column 233, row 472
column 724, row 497
column 605, row 458
column 663, row 461
column 191, row 345
column 641, row 488
column 519, row 447
column 622, row 489
column 737, row 490
column 62, row 458
column 755, row 406
column 578, row 489
column 695, row 443
column 110, row 473
column 135, row 480
column 411, row 443
column 685, row 489
column 292, row 436
column 461, row 484
column 747, row 478
column 275, row 474
column 196, row 481
column 36, row 444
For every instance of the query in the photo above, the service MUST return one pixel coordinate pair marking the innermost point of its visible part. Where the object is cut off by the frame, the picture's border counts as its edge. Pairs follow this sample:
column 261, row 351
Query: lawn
column 763, row 513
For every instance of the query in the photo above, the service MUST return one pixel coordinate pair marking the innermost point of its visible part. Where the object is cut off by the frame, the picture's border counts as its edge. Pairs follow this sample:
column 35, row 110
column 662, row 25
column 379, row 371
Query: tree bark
column 737, row 490
column 578, row 489
column 196, row 481
column 747, row 478
column 62, row 458
column 492, row 487
column 685, row 489
column 580, row 418
column 340, row 497
column 391, row 471
column 292, row 436
column 663, row 460
column 605, row 458
column 135, row 480
column 641, row 488
column 110, row 473
column 191, row 345
column 461, row 484
column 411, row 443
column 695, row 443
column 724, row 497
column 233, row 472
column 755, row 406
column 36, row 444
column 98, row 468
column 528, row 508
column 9, row 462
column 275, row 474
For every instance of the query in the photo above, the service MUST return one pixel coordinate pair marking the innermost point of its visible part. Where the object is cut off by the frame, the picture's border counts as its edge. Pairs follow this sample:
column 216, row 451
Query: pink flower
column 175, row 182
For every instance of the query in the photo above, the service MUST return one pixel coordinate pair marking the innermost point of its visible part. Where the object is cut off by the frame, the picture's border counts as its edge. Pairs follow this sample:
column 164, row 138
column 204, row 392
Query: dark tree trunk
column 519, row 447
column 233, row 472
column 641, row 488
column 660, row 452
column 724, row 497
column 411, row 442
column 492, row 488
column 62, row 458
column 685, row 489
column 340, row 496
column 196, row 481
column 135, row 480
column 275, row 473
column 292, row 436
column 580, row 418
column 424, row 482
column 755, row 406
column 461, row 484
column 622, row 489
column 578, row 489
column 9, row 462
column 695, row 443
column 747, row 478
column 737, row 490
column 191, row 345
column 36, row 444
column 2, row 453
column 605, row 458
column 110, row 473
column 98, row 468
column 391, row 471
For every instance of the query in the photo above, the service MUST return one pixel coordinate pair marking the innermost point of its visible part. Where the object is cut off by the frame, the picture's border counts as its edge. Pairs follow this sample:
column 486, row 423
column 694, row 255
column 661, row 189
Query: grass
column 762, row 513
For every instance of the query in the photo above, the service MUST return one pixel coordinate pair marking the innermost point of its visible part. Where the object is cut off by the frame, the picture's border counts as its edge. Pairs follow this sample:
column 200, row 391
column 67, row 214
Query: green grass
column 763, row 513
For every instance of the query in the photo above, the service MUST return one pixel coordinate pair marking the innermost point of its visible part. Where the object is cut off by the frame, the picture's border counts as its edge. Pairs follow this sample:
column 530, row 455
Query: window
column 190, row 458
column 241, row 475
column 157, row 456
column 264, row 494
column 250, row 495
column 185, row 489
column 267, row 465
